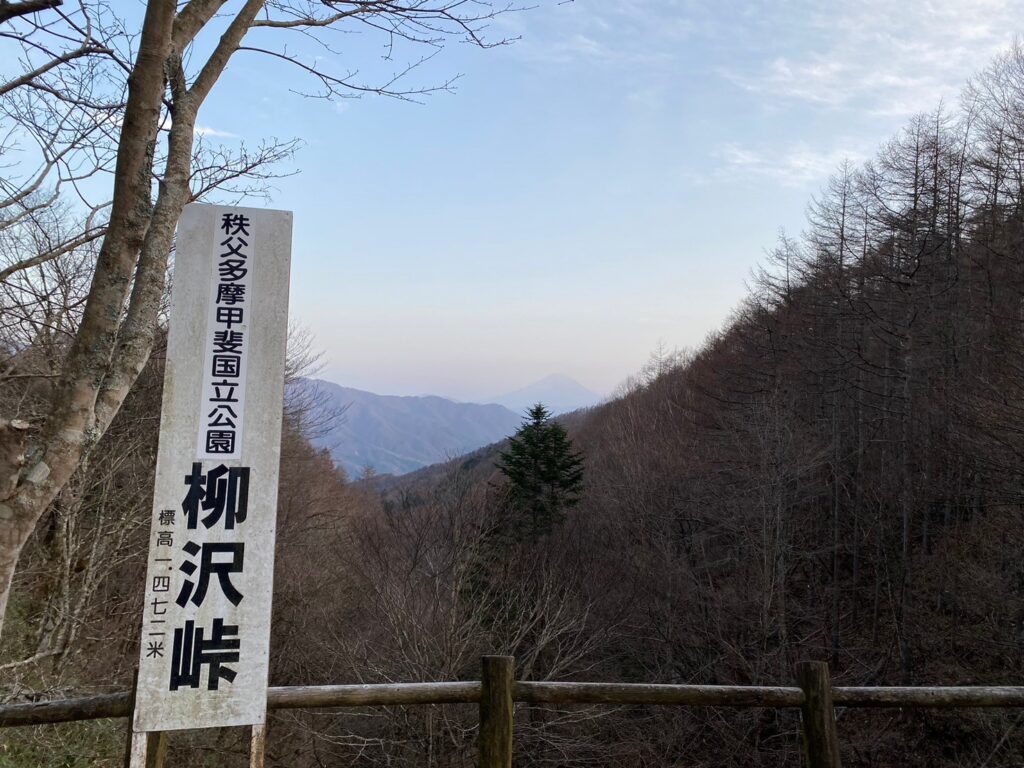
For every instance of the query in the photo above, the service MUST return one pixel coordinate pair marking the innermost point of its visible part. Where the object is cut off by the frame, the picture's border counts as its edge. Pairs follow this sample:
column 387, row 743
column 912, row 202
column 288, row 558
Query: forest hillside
column 836, row 474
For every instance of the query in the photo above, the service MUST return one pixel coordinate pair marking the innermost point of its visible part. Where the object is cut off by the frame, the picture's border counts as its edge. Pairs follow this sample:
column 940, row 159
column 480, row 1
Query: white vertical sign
column 206, row 620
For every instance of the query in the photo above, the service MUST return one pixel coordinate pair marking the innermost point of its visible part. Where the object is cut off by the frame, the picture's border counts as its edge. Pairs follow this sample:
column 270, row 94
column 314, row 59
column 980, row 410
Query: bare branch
column 336, row 86
column 9, row 10
column 64, row 58
column 83, row 239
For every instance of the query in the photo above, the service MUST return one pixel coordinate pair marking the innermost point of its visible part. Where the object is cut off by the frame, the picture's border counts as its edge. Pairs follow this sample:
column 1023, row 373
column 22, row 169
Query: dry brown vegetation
column 837, row 474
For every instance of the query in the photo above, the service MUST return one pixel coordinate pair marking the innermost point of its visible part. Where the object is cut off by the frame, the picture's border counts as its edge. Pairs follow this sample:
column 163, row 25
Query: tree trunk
column 33, row 478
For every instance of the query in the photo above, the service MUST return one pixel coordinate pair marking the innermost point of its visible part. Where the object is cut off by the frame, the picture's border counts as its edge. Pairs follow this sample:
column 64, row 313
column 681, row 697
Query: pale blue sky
column 605, row 183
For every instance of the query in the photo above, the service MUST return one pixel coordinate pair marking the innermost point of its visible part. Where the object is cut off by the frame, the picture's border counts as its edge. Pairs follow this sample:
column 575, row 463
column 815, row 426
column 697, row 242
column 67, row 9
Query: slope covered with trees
column 836, row 474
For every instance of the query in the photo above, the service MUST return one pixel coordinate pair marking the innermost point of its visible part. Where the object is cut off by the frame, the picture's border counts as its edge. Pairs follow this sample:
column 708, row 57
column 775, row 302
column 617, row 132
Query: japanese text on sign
column 223, row 403
column 203, row 660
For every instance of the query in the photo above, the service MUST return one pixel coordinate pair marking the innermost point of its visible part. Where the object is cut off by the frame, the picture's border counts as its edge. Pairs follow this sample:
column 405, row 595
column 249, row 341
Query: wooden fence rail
column 497, row 692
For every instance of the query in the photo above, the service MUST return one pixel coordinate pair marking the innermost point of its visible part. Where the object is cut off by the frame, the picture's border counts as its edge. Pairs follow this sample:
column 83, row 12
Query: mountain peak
column 558, row 392
column 397, row 434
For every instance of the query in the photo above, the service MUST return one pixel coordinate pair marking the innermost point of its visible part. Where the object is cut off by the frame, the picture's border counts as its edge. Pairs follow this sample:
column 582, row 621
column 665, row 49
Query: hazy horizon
column 490, row 398
column 601, row 186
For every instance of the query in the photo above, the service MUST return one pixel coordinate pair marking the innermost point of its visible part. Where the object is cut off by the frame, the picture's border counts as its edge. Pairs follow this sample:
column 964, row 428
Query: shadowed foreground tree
column 87, row 99
column 545, row 475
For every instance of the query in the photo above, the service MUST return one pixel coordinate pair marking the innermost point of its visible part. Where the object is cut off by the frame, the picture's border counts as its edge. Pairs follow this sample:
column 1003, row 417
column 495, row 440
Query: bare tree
column 94, row 99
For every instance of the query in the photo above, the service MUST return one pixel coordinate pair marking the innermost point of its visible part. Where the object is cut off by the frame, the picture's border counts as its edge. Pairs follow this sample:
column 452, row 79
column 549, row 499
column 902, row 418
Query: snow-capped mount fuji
column 558, row 393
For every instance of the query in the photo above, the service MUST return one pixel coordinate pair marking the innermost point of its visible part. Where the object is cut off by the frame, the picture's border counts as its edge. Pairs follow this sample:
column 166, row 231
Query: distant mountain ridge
column 559, row 393
column 394, row 435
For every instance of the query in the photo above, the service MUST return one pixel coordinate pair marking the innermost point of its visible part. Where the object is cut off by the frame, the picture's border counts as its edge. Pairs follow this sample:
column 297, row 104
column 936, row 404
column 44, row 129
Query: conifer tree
column 544, row 472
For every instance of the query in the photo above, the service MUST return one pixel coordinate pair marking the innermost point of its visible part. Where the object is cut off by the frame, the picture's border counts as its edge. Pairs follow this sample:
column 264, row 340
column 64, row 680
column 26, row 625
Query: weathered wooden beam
column 66, row 710
column 290, row 697
column 640, row 693
column 949, row 697
column 313, row 696
column 496, row 711
column 111, row 705
column 821, row 742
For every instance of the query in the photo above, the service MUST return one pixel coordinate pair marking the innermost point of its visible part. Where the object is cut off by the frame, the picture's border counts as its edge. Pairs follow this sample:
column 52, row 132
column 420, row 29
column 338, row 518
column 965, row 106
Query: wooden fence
column 497, row 691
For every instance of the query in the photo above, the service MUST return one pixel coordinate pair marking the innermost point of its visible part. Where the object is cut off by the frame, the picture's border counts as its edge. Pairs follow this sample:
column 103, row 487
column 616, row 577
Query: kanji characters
column 222, row 492
column 192, row 650
column 211, row 565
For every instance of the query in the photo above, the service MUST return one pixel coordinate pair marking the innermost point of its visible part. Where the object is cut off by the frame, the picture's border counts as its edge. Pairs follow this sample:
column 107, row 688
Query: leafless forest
column 836, row 474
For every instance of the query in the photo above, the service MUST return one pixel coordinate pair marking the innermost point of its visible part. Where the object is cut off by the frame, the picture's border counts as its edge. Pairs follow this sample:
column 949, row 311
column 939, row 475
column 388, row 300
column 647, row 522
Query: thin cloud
column 620, row 32
column 880, row 57
column 205, row 130
column 797, row 165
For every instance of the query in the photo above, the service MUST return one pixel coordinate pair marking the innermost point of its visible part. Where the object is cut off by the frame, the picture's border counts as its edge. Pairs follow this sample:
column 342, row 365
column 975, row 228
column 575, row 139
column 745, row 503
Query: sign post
column 203, row 660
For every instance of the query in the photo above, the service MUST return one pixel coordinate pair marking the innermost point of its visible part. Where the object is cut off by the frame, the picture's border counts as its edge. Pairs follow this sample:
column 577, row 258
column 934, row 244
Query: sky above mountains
column 602, row 185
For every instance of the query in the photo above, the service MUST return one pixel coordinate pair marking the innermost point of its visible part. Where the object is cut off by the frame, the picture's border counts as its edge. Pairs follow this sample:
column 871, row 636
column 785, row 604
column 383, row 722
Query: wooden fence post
column 130, row 736
column 143, row 750
column 496, row 680
column 146, row 750
column 258, row 746
column 821, row 743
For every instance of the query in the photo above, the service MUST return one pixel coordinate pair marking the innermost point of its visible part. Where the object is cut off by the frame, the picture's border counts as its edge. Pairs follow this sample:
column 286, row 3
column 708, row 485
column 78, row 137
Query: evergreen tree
column 545, row 474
